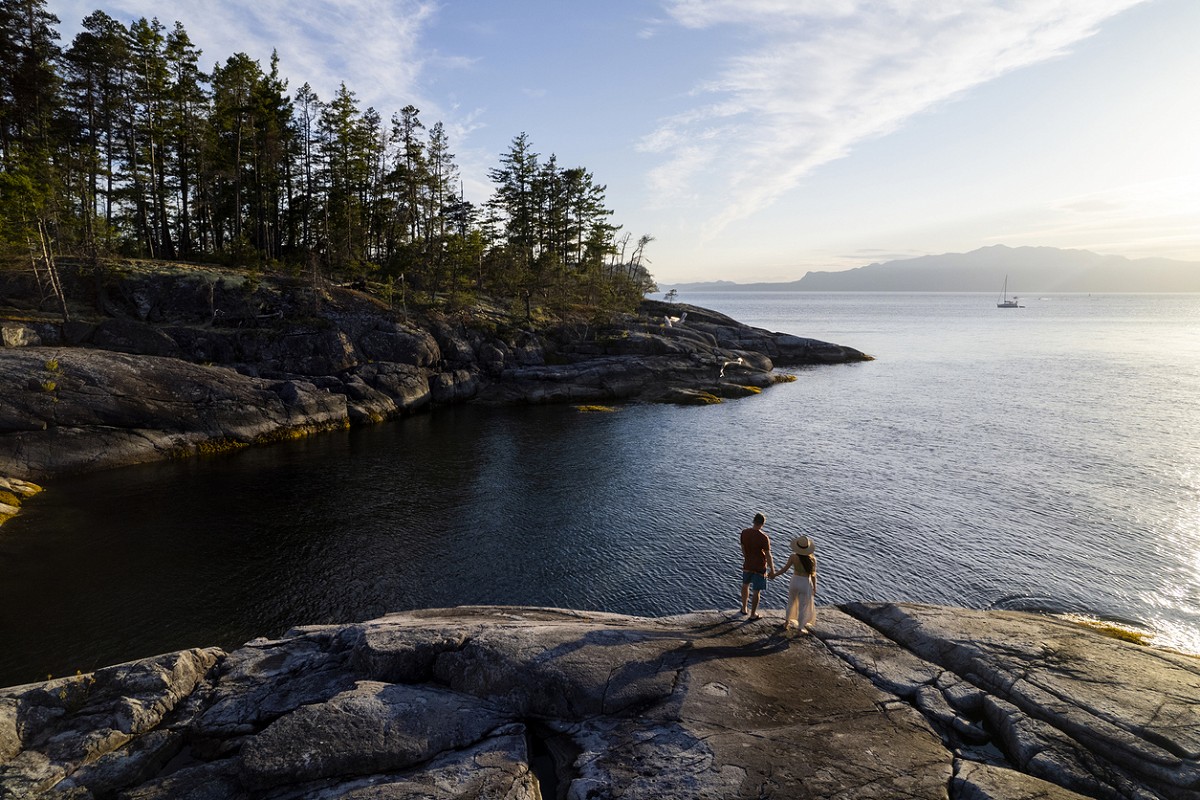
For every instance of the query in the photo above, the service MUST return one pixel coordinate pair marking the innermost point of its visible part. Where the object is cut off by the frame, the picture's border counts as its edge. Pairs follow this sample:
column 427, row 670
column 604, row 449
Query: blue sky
column 759, row 139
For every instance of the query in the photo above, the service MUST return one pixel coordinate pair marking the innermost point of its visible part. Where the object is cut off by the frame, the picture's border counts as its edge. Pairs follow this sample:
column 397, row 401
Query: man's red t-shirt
column 754, row 551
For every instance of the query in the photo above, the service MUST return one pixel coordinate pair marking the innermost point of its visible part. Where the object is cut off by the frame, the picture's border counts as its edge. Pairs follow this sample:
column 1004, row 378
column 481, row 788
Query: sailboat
column 1005, row 302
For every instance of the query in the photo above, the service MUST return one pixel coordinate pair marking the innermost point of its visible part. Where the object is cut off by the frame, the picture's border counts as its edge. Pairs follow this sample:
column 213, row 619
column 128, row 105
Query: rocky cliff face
column 884, row 701
column 189, row 360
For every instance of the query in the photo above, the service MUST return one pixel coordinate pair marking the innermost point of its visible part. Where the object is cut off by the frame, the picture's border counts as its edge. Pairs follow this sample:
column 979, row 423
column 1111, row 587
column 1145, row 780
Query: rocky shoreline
column 189, row 360
column 882, row 701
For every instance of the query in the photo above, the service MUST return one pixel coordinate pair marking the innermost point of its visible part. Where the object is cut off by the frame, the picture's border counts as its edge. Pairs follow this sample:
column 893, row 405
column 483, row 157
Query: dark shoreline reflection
column 461, row 506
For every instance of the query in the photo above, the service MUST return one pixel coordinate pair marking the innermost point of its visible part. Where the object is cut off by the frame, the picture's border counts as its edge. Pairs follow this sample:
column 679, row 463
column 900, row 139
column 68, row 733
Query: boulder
column 14, row 335
column 400, row 344
column 372, row 728
column 455, row 386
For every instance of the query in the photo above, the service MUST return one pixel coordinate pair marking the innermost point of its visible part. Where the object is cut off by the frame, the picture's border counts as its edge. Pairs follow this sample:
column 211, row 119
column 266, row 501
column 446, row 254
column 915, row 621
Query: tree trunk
column 52, row 269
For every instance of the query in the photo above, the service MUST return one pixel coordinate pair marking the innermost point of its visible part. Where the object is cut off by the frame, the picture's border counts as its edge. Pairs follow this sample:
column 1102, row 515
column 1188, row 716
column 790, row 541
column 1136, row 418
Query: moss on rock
column 13, row 492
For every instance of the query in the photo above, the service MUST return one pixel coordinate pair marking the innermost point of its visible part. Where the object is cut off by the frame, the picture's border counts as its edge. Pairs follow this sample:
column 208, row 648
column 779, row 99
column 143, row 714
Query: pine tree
column 410, row 172
column 187, row 115
column 272, row 160
column 124, row 143
column 146, row 137
column 514, row 204
column 441, row 179
column 305, row 202
column 29, row 83
column 96, row 94
column 30, row 184
column 346, row 170
column 231, row 167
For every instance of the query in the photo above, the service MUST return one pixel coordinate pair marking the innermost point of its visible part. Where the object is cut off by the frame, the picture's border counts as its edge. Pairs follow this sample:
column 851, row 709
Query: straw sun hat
column 802, row 545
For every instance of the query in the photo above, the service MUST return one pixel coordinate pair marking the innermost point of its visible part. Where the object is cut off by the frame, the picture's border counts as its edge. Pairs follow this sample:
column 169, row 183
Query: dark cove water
column 1039, row 458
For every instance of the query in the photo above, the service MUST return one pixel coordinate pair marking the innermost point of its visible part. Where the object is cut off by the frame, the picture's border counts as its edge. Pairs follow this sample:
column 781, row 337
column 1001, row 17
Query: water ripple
column 1046, row 462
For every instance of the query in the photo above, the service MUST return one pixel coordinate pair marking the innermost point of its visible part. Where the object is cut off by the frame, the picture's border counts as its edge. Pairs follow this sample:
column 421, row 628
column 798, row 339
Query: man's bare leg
column 754, row 605
column 745, row 593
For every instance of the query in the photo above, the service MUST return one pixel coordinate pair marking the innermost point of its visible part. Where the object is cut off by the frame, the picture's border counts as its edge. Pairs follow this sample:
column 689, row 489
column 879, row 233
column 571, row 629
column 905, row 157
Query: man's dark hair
column 759, row 519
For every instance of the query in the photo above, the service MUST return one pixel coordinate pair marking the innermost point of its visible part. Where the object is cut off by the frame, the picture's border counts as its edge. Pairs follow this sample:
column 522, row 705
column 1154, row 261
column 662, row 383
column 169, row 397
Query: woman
column 802, row 589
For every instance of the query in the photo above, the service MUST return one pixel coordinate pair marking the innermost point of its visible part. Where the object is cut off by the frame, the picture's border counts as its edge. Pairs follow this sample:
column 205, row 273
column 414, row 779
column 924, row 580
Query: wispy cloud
column 820, row 76
column 373, row 46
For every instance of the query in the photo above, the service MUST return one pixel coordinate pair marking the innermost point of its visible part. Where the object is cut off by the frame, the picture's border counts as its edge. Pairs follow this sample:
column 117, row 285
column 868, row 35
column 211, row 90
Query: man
column 756, row 561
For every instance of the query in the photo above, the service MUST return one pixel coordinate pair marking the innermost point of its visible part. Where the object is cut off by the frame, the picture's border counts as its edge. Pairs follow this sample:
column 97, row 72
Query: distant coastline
column 1029, row 270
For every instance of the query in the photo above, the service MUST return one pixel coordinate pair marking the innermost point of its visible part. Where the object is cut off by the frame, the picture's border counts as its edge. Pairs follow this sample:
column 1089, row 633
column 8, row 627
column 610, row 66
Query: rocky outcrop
column 781, row 348
column 884, row 701
column 96, row 408
column 190, row 360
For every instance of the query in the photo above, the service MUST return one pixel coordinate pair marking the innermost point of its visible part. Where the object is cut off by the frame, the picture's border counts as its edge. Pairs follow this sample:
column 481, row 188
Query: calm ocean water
column 1040, row 458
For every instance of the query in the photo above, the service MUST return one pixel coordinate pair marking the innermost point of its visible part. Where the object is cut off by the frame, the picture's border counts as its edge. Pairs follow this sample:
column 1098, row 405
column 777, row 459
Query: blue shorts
column 757, row 582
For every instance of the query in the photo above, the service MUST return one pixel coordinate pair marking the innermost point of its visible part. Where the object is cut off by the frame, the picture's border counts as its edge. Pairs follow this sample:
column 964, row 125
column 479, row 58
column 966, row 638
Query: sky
column 756, row 140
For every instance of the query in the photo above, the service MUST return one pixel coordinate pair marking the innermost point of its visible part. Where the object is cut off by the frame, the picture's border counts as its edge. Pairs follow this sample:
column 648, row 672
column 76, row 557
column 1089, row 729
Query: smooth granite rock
column 976, row 781
column 1095, row 714
column 887, row 701
column 98, row 408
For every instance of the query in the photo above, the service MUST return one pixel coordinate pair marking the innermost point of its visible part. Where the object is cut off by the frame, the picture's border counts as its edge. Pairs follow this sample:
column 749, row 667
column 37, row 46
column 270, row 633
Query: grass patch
column 691, row 397
column 736, row 390
column 300, row 432
column 1113, row 630
column 208, row 447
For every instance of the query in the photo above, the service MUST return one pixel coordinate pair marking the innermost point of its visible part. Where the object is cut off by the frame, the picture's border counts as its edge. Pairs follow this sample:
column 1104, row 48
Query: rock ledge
column 184, row 363
column 883, row 701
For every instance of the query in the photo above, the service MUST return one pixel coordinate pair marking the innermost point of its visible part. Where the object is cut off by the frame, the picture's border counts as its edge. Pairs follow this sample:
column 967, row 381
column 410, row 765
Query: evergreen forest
column 120, row 145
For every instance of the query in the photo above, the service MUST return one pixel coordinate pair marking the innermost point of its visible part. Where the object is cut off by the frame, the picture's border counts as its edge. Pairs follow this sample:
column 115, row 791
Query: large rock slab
column 496, row 702
column 1090, row 713
column 889, row 700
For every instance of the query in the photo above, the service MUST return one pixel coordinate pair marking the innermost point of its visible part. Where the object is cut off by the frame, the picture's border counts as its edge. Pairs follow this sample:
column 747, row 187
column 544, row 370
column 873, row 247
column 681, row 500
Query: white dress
column 801, row 610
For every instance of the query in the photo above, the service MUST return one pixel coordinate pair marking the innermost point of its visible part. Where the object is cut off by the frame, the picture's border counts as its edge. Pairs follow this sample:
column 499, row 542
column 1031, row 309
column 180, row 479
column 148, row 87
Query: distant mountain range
column 1029, row 270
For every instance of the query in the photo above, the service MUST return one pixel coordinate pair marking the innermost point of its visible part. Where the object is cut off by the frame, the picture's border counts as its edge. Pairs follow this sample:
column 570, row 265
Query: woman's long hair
column 807, row 563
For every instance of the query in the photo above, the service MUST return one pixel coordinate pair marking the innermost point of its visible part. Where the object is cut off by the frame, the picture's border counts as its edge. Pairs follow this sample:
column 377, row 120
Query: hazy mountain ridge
column 1028, row 269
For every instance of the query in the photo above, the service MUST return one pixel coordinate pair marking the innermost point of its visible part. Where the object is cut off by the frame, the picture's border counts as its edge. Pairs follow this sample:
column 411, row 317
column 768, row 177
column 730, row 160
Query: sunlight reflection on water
column 1043, row 461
